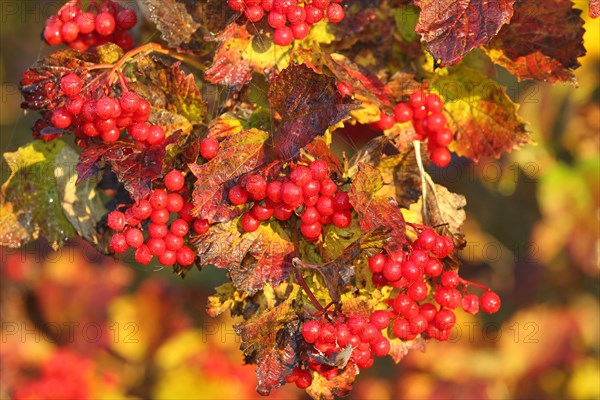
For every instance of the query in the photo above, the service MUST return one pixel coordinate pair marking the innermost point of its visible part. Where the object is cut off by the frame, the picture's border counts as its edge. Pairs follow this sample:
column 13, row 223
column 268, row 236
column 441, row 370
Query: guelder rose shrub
column 213, row 147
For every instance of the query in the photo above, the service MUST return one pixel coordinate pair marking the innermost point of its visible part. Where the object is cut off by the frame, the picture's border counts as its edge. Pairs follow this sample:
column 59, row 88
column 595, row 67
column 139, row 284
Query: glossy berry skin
column 310, row 331
column 380, row 319
column 71, row 84
column 444, row 319
column 443, row 137
column 450, row 279
column 126, row 19
column 385, row 121
column 377, row 262
column 319, row 169
column 256, row 186
column 158, row 198
column 441, row 157
column 116, row 220
column 173, row 242
column 283, row 36
column 490, row 302
column 118, row 243
column 52, row 35
column 392, row 270
column 175, row 202
column 201, row 226
column 143, row 210
column 179, row 227
column 403, row 112
column 254, row 13
column 434, row 103
column 311, row 231
column 174, row 180
column 61, row 118
column 157, row 230
column 105, row 24
column 381, row 347
column 328, row 187
column 335, row 13
column 276, row 20
column 156, row 135
column 143, row 255
column 167, row 258
column 238, row 195
column 262, row 213
column 157, row 246
column 470, row 303
column 291, row 194
column 249, row 222
column 342, row 219
column 134, row 237
column 209, row 148
column 160, row 216
column 185, row 256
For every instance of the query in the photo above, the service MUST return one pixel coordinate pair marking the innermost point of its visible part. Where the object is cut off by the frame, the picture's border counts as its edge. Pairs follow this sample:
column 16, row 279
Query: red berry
column 449, row 298
column 311, row 188
column 174, row 202
column 52, row 34
column 75, row 105
column 167, row 258
column 274, row 191
column 71, row 84
column 319, row 169
column 385, row 121
column 322, row 4
column 310, row 216
column 118, row 243
column 173, row 242
column 157, row 230
column 129, row 102
column 106, row 108
column 417, row 99
column 335, row 13
column 328, row 187
column 411, row 271
column 179, row 227
column 209, row 148
column 304, row 380
column 86, row 22
column 276, row 20
column 434, row 103
column 392, row 270
column 470, row 303
column 295, row 14
column 160, row 216
column 174, row 180
column 185, row 256
column 283, row 36
column 301, row 175
column 341, row 201
column 126, row 18
column 341, row 219
column 428, row 310
column 158, row 198
column 256, row 186
column 444, row 319
column 291, row 194
column 143, row 210
column 238, row 195
column 262, row 213
column 325, row 206
column 381, row 347
column 377, row 262
column 426, row 239
column 369, row 333
column 156, row 135
column 236, row 5
column 403, row 112
column 380, row 318
column 356, row 323
column 201, row 226
column 61, row 118
column 157, row 246
column 490, row 302
column 116, row 220
column 433, row 267
column 143, row 255
column 401, row 329
column 249, row 222
column 282, row 212
column 254, row 13
column 134, row 237
column 313, row 14
column 186, row 212
column 450, row 279
column 68, row 12
column 417, row 291
column 105, row 23
column 310, row 331
column 69, row 31
column 435, row 122
column 441, row 157
column 311, row 231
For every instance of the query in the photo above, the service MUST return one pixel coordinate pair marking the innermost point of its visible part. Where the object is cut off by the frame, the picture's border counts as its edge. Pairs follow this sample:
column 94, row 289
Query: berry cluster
column 105, row 117
column 165, row 239
column 360, row 337
column 291, row 19
column 81, row 29
column 425, row 112
column 308, row 190
column 417, row 272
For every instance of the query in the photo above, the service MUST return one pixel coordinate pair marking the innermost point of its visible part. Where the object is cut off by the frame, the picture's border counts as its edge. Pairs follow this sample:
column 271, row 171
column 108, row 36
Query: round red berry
column 185, row 256
column 174, row 180
column 490, row 302
column 201, row 226
column 71, row 84
column 209, row 148
column 143, row 255
column 238, row 195
column 249, row 222
column 118, row 243
column 116, row 220
column 105, row 23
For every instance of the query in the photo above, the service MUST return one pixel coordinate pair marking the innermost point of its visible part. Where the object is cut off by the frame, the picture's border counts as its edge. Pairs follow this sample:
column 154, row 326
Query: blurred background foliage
column 77, row 324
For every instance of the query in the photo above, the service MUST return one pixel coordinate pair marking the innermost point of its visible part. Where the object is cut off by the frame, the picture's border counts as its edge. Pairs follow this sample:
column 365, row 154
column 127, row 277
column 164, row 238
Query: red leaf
column 374, row 211
column 252, row 259
column 452, row 28
column 321, row 151
column 136, row 165
column 594, row 8
column 238, row 155
column 542, row 41
column 308, row 103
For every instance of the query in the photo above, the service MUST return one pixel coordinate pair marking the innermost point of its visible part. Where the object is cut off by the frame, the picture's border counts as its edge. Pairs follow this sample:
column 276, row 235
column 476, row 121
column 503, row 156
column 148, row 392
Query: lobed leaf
column 376, row 211
column 239, row 154
column 339, row 386
column 252, row 259
column 452, row 28
column 481, row 114
column 542, row 41
column 308, row 104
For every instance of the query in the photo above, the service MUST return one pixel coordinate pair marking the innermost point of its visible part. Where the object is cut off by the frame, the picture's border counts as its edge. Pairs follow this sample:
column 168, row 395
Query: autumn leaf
column 400, row 348
column 239, row 54
column 269, row 340
column 181, row 92
column 594, row 8
column 542, row 41
column 321, row 151
column 308, row 104
column 376, row 211
column 173, row 21
column 31, row 205
column 451, row 28
column 40, row 84
column 135, row 164
column 339, row 386
column 252, row 259
column 481, row 114
column 239, row 154
column 81, row 203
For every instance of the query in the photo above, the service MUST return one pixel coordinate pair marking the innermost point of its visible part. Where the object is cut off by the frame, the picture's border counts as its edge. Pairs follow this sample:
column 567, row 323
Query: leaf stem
column 300, row 280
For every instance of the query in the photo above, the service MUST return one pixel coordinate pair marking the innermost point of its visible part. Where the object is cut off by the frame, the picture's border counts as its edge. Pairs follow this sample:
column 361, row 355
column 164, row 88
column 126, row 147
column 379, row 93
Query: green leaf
column 31, row 199
column 481, row 114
